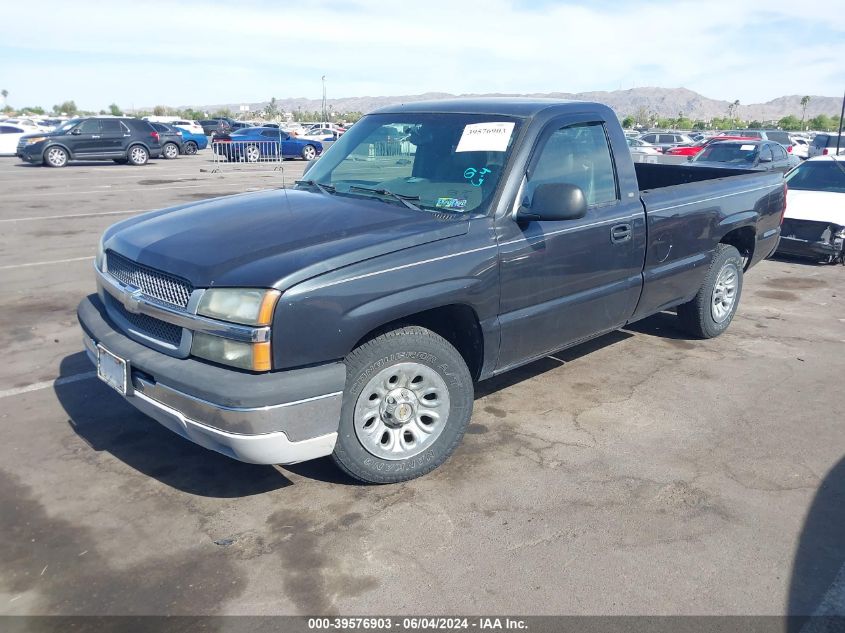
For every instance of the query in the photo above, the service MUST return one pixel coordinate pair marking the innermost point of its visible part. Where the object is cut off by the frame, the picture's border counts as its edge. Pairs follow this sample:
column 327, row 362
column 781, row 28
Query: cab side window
column 577, row 155
column 89, row 126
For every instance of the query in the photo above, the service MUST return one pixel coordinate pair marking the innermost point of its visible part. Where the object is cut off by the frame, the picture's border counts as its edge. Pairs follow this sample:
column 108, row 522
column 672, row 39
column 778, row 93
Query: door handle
column 620, row 233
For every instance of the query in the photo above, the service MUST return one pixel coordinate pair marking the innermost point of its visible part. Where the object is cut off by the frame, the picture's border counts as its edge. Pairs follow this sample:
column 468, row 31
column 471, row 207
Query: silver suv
column 665, row 140
column 825, row 144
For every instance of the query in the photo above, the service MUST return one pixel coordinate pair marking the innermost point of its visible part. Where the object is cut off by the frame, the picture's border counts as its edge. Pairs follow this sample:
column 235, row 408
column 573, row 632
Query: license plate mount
column 113, row 370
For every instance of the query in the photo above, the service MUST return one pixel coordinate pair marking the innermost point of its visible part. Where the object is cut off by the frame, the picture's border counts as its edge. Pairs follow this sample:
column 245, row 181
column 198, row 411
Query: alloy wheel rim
column 138, row 155
column 56, row 156
column 252, row 154
column 171, row 151
column 401, row 411
column 309, row 152
column 724, row 293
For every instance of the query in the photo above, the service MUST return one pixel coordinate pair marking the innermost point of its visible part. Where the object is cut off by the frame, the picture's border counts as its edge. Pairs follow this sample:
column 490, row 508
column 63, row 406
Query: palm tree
column 736, row 109
column 805, row 100
column 5, row 94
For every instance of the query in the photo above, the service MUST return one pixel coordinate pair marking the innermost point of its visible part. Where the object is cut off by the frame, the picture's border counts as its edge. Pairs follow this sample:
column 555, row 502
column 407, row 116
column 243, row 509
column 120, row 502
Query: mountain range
column 664, row 102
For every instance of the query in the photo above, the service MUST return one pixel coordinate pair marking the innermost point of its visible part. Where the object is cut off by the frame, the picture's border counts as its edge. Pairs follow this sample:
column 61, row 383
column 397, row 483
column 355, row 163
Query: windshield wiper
column 327, row 189
column 406, row 200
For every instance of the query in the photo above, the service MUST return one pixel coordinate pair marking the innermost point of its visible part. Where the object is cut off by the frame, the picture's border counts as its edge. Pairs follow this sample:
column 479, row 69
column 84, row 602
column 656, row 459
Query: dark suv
column 171, row 140
column 122, row 139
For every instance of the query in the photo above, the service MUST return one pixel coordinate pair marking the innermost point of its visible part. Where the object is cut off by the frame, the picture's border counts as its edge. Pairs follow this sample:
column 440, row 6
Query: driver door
column 564, row 281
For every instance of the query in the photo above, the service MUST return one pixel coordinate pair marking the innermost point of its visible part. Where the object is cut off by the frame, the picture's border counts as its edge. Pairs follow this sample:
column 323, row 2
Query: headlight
column 34, row 139
column 254, row 356
column 247, row 306
column 99, row 261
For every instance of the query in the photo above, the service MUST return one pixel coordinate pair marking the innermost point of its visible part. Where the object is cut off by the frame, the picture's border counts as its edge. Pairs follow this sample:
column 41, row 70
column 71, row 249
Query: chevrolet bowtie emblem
column 132, row 300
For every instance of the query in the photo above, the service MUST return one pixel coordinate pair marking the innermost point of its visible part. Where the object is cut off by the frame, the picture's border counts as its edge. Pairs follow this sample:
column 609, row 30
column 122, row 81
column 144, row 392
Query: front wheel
column 711, row 310
column 407, row 403
column 190, row 148
column 55, row 157
column 309, row 152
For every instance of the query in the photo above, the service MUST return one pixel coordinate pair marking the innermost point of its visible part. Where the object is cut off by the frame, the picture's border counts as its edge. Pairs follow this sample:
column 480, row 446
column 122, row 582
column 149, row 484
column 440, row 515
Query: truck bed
column 658, row 176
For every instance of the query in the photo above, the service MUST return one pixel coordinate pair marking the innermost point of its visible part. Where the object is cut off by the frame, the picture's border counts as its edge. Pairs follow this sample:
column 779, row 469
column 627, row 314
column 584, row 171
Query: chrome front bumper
column 204, row 422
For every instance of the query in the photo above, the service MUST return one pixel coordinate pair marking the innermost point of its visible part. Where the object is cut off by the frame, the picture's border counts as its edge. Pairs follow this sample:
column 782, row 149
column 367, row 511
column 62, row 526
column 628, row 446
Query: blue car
column 192, row 142
column 253, row 144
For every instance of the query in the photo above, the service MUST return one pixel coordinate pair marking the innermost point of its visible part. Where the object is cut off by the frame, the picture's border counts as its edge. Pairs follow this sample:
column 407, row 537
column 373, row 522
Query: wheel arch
column 56, row 144
column 744, row 239
column 458, row 323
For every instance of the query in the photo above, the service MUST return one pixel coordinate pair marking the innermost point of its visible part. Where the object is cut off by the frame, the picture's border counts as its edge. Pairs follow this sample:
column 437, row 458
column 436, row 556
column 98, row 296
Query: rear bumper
column 806, row 248
column 273, row 418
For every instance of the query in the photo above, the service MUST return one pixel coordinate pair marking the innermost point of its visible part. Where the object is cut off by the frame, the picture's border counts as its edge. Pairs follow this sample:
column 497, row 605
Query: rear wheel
column 253, row 153
column 190, row 148
column 309, row 152
column 138, row 155
column 407, row 403
column 170, row 151
column 55, row 157
column 711, row 310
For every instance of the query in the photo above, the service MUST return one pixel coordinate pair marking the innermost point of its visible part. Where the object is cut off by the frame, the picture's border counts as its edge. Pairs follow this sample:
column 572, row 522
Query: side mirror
column 765, row 159
column 555, row 201
column 76, row 131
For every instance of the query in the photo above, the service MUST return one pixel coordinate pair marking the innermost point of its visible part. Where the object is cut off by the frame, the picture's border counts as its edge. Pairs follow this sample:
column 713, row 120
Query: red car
column 692, row 150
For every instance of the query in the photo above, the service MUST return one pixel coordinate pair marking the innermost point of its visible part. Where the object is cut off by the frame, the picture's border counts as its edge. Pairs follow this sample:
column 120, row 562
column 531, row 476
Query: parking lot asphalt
column 641, row 473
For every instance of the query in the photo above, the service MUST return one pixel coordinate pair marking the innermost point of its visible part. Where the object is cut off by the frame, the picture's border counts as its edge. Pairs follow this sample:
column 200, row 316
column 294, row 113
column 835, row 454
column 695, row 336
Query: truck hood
column 275, row 238
column 815, row 206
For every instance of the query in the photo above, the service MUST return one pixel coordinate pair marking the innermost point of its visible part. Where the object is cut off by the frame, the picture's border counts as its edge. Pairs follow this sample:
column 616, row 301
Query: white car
column 638, row 146
column 800, row 147
column 30, row 124
column 192, row 126
column 324, row 135
column 814, row 222
column 9, row 137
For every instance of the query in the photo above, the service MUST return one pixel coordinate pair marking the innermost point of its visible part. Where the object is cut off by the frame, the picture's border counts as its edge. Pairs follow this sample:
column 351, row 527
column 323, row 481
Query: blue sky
column 193, row 53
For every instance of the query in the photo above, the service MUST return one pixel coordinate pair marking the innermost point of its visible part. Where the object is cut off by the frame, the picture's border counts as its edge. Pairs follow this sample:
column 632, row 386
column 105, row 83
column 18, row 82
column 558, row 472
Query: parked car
column 260, row 143
column 323, row 135
column 192, row 142
column 214, row 126
column 760, row 155
column 692, row 150
column 665, row 140
column 171, row 140
column 191, row 126
column 825, row 145
column 800, row 147
column 351, row 315
column 778, row 136
column 122, row 139
column 814, row 223
column 10, row 135
column 638, row 146
column 33, row 125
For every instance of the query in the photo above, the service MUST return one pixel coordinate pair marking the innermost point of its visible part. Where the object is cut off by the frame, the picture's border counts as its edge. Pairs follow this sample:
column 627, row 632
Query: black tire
column 700, row 316
column 55, row 156
column 170, row 151
column 190, row 148
column 137, row 155
column 309, row 152
column 418, row 349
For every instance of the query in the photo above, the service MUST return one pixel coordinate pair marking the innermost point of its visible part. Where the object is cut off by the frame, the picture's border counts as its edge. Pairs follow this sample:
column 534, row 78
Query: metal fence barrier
column 226, row 152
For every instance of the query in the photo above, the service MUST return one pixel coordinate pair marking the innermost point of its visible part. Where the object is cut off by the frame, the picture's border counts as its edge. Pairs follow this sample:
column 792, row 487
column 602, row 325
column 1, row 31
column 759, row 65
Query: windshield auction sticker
column 485, row 137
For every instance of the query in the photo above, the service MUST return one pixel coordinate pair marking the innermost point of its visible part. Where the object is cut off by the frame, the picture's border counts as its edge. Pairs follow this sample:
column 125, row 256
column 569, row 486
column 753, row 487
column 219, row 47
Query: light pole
column 324, row 98
column 841, row 117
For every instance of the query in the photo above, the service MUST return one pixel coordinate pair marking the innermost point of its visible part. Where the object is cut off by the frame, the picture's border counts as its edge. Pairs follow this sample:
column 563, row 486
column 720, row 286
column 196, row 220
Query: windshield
column 439, row 161
column 729, row 153
column 818, row 175
column 67, row 125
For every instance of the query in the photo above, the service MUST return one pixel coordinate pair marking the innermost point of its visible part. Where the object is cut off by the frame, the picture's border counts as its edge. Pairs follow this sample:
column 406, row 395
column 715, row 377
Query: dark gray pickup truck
column 434, row 245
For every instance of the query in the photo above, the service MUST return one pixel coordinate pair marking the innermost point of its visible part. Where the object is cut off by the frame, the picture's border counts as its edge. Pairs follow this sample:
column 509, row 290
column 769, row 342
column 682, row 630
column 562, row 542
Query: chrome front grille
column 154, row 283
column 146, row 325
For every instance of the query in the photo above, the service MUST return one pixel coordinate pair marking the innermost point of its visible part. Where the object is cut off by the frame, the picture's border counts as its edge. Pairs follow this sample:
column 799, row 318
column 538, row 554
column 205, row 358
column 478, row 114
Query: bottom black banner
column 411, row 624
